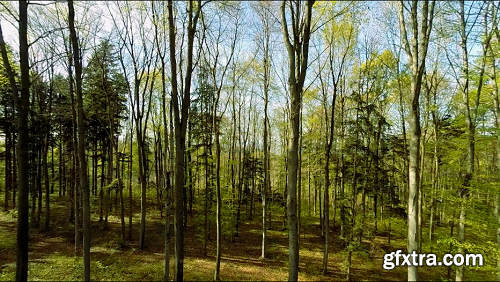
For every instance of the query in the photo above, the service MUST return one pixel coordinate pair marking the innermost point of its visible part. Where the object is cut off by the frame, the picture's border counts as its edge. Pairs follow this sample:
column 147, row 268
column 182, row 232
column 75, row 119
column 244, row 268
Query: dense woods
column 269, row 140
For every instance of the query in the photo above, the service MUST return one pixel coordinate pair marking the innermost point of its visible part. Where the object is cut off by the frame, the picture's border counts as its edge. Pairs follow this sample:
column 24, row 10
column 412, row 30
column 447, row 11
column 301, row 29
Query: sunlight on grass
column 7, row 241
column 51, row 255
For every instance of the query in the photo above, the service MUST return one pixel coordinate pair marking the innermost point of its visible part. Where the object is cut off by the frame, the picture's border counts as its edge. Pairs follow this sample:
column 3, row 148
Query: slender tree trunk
column 76, row 166
column 190, row 177
column 414, row 184
column 157, row 171
column 130, row 204
column 61, row 165
column 166, row 269
column 416, row 49
column 328, row 147
column 297, row 59
column 142, row 177
column 470, row 126
column 8, row 165
column 81, row 147
column 207, row 186
column 343, row 221
column 46, row 226
column 299, row 178
column 309, row 185
column 219, row 199
column 266, row 188
column 22, row 105
column 39, row 181
column 109, row 178
column 181, row 124
column 94, row 168
column 33, row 189
column 166, row 178
column 171, row 165
column 15, row 183
column 120, row 188
column 101, row 192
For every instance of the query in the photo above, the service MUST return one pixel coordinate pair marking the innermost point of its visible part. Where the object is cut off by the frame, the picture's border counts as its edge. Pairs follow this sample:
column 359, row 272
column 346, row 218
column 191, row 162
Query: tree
column 81, row 145
column 416, row 50
column 105, row 89
column 160, row 27
column 23, row 105
column 265, row 16
column 298, row 51
column 218, row 71
column 180, row 122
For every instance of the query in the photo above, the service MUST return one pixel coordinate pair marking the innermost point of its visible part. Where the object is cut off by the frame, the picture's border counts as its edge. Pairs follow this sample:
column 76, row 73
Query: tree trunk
column 297, row 59
column 15, row 183
column 207, row 189
column 299, row 177
column 142, row 177
column 180, row 125
column 461, row 238
column 8, row 165
column 22, row 105
column 94, row 169
column 267, row 172
column 416, row 49
column 46, row 226
column 81, row 147
column 101, row 192
column 120, row 188
column 33, row 189
column 219, row 199
column 414, row 184
column 61, row 165
column 74, row 189
column 343, row 221
column 109, row 178
column 157, row 150
column 130, row 206
column 166, row 177
column 39, row 181
column 168, row 190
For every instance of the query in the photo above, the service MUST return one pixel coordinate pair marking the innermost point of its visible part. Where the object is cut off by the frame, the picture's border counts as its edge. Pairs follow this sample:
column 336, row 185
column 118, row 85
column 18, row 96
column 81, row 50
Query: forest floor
column 52, row 257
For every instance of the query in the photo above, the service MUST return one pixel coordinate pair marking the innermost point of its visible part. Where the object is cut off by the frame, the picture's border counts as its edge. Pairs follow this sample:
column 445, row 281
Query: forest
column 254, row 140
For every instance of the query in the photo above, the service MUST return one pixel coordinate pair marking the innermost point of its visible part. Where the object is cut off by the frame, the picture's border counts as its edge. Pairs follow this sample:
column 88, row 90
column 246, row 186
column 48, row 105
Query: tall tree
column 180, row 113
column 160, row 27
column 219, row 64
column 267, row 22
column 105, row 87
column 84, row 184
column 22, row 104
column 416, row 49
column 297, row 45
